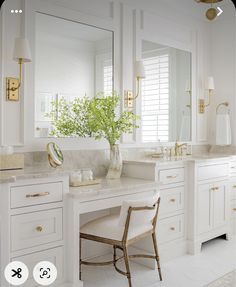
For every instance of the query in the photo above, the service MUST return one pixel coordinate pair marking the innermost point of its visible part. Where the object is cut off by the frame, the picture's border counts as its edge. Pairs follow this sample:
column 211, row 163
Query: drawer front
column 170, row 228
column 171, row 200
column 213, row 171
column 233, row 209
column 36, row 228
column 36, row 194
column 167, row 176
column 54, row 255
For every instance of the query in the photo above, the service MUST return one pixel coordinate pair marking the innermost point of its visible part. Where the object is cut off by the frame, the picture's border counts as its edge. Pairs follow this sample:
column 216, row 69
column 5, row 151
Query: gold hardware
column 234, row 186
column 177, row 148
column 172, row 228
column 37, row 194
column 222, row 104
column 172, row 200
column 234, row 209
column 128, row 99
column 215, row 188
column 12, row 85
column 39, row 228
column 171, row 176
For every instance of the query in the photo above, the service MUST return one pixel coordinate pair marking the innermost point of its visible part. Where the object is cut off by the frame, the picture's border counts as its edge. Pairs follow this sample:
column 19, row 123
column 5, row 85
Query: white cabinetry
column 208, row 202
column 170, row 180
column 232, row 188
column 32, row 214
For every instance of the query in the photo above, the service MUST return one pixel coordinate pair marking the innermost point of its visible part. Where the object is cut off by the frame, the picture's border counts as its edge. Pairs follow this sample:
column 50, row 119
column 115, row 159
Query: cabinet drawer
column 171, row 200
column 172, row 175
column 213, row 171
column 36, row 228
column 36, row 194
column 170, row 228
column 233, row 209
column 54, row 255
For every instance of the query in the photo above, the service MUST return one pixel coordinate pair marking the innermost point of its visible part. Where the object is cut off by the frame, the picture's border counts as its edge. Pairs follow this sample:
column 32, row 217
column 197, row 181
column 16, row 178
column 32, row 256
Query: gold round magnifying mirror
column 55, row 155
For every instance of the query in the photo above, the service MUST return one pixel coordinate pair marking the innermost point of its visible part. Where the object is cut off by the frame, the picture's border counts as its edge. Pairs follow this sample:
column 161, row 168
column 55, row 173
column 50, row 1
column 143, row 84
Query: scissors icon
column 17, row 273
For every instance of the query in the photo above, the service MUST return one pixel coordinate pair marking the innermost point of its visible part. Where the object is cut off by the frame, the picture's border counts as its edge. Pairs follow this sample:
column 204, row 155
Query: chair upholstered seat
column 108, row 227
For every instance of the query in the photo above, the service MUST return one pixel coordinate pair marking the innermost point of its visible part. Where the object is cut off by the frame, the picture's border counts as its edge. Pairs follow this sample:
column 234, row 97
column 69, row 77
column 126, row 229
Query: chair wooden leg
column 126, row 258
column 157, row 254
column 80, row 265
column 114, row 255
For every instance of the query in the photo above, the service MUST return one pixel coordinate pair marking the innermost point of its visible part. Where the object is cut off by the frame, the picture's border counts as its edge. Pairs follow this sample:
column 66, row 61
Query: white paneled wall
column 131, row 21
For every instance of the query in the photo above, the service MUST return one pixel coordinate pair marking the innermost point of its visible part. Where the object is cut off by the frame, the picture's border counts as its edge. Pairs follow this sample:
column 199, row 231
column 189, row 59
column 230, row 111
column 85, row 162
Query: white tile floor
column 217, row 258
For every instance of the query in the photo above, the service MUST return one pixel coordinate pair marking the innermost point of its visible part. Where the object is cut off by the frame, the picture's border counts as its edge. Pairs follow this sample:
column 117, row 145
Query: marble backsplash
column 97, row 160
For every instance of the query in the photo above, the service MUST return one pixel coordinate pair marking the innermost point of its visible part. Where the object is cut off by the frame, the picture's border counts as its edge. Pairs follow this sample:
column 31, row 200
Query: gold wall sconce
column 139, row 73
column 22, row 55
column 210, row 86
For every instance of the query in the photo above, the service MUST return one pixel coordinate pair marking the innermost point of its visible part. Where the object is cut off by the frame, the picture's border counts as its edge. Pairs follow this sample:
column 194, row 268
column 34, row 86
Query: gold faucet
column 177, row 148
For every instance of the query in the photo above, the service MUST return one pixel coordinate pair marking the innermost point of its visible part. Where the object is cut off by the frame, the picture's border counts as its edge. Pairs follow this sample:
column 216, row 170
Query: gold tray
column 86, row 182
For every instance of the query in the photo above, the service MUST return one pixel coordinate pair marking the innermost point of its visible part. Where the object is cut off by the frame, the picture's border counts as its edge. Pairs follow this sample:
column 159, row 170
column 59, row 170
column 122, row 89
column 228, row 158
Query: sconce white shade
column 22, row 50
column 139, row 71
column 210, row 83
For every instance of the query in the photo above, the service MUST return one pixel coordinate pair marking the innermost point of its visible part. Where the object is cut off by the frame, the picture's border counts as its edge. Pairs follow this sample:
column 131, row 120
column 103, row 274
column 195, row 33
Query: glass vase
column 115, row 167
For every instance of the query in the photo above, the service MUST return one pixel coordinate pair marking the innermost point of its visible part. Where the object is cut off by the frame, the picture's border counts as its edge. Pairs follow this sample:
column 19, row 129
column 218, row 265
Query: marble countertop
column 179, row 160
column 114, row 187
column 30, row 173
column 40, row 172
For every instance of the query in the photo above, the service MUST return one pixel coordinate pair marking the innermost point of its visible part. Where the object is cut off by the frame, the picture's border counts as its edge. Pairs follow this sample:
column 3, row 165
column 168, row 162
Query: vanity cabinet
column 208, row 201
column 170, row 180
column 32, row 214
column 211, row 206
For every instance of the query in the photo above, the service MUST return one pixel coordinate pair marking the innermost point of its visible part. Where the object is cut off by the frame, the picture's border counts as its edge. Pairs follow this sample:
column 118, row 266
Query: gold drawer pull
column 172, row 200
column 215, row 188
column 172, row 176
column 234, row 186
column 172, row 228
column 37, row 194
column 39, row 228
column 234, row 209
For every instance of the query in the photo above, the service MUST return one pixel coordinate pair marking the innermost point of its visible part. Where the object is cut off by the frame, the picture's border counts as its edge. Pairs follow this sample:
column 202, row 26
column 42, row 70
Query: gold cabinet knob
column 234, row 209
column 172, row 228
column 39, row 228
column 234, row 186
column 172, row 200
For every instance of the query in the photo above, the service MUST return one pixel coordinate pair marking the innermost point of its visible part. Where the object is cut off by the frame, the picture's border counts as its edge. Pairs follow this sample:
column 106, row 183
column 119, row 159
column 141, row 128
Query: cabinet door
column 220, row 204
column 204, row 208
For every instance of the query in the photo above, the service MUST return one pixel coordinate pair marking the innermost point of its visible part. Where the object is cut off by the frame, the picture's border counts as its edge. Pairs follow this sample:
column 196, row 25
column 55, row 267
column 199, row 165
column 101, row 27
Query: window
column 107, row 77
column 155, row 98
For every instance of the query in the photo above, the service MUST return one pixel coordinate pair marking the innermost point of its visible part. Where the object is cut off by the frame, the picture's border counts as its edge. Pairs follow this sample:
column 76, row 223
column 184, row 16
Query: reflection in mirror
column 71, row 60
column 166, row 94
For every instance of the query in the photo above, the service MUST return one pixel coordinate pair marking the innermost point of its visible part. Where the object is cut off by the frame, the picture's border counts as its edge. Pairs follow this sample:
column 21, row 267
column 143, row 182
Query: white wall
column 164, row 20
column 223, row 68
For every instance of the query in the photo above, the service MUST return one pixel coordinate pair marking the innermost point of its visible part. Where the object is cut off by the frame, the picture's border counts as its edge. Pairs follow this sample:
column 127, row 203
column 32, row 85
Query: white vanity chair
column 137, row 219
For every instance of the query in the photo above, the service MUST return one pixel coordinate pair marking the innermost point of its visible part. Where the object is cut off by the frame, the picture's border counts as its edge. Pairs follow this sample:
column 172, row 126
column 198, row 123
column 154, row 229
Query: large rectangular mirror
column 166, row 93
column 71, row 60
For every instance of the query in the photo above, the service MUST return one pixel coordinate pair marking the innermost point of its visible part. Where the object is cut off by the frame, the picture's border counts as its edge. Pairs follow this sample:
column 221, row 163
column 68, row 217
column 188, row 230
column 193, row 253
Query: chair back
column 139, row 213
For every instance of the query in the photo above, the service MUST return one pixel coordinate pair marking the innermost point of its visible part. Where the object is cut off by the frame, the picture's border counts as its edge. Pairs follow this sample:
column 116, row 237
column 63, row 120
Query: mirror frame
column 29, row 141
